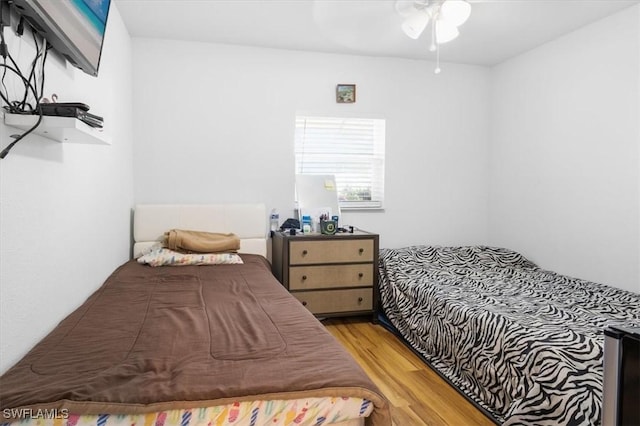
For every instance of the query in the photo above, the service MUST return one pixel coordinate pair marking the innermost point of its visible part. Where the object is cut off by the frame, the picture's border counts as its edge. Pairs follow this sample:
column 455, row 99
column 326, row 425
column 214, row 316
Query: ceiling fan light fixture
column 445, row 17
column 445, row 31
column 455, row 12
column 415, row 23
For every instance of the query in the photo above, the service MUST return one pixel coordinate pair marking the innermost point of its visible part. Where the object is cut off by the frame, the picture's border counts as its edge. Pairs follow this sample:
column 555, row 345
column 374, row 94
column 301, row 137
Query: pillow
column 158, row 255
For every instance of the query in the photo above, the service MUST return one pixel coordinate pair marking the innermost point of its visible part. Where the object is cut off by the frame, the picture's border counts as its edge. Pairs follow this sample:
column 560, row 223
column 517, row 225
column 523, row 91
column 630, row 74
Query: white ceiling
column 497, row 29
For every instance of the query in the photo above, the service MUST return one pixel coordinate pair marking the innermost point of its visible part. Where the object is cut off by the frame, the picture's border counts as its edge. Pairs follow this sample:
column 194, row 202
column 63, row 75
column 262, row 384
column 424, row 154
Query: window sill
column 361, row 208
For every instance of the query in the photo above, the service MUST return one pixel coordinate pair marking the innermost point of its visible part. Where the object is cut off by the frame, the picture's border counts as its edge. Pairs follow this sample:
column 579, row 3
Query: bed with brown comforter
column 174, row 338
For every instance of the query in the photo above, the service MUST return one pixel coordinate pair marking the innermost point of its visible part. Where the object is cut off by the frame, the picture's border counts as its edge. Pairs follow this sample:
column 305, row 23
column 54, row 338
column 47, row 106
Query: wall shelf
column 60, row 129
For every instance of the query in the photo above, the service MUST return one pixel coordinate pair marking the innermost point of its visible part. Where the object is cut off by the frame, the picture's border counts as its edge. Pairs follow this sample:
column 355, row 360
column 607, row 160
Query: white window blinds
column 351, row 149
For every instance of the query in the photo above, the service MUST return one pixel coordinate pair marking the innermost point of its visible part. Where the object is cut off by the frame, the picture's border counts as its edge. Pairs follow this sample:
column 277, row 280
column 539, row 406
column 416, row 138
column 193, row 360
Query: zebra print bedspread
column 523, row 342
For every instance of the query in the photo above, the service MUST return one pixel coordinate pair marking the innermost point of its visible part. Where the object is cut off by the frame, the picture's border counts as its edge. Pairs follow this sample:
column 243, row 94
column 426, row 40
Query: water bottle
column 306, row 224
column 274, row 221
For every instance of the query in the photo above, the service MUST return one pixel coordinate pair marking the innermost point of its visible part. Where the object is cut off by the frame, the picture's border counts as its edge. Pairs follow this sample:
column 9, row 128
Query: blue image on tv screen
column 95, row 11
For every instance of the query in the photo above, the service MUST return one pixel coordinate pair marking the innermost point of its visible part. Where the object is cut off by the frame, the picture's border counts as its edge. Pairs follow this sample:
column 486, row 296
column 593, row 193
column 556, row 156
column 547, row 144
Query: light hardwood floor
column 418, row 396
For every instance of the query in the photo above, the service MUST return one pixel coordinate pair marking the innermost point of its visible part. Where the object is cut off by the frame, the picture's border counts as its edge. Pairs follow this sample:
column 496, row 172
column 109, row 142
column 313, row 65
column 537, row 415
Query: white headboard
column 247, row 221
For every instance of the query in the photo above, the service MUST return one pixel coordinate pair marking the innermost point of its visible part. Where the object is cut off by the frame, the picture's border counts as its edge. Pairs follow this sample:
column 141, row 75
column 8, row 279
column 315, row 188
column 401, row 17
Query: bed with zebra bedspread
column 524, row 343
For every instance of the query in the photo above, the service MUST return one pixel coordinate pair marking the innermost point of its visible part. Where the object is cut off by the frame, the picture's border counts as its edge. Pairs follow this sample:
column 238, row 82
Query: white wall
column 64, row 208
column 215, row 123
column 564, row 153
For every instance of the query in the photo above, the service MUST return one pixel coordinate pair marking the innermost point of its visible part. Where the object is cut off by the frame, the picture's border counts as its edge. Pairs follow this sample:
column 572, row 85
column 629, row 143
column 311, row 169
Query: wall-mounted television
column 74, row 28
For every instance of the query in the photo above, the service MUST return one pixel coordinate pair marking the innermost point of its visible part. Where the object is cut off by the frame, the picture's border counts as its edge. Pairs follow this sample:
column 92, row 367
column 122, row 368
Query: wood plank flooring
column 418, row 396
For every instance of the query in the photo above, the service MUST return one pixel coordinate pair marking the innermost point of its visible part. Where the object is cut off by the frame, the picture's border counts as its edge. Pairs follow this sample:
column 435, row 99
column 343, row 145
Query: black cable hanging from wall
column 33, row 82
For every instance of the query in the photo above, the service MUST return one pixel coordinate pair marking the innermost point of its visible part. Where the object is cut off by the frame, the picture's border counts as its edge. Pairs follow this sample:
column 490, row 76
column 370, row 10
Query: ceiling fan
column 445, row 17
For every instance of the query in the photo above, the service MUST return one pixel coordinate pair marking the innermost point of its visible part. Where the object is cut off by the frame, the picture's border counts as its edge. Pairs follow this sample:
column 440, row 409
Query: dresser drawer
column 330, row 251
column 330, row 276
column 332, row 301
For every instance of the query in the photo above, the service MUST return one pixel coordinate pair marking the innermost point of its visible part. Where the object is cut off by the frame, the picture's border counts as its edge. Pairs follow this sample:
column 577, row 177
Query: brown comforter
column 153, row 339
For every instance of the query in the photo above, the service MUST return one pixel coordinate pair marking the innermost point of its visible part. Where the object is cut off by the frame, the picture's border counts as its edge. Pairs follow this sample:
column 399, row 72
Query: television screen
column 75, row 28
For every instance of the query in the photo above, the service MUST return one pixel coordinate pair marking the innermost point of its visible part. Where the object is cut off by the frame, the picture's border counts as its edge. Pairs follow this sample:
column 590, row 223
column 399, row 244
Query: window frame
column 376, row 158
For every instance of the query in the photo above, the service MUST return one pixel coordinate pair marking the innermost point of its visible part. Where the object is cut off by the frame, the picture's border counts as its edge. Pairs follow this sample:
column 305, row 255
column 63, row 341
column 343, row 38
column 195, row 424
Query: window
column 351, row 149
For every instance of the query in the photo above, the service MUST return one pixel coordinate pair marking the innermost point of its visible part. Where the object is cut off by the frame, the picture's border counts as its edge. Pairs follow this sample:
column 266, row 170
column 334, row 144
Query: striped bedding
column 524, row 343
column 298, row 412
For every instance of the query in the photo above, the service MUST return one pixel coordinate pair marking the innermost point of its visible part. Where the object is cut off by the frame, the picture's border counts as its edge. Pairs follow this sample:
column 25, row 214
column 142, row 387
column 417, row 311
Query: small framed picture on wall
column 345, row 93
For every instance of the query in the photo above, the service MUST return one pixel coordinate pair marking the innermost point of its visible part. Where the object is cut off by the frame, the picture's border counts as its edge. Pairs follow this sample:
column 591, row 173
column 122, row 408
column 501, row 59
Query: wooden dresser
column 332, row 275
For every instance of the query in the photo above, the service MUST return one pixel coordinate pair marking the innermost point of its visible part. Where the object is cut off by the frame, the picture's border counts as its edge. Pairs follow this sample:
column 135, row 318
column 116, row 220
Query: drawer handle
column 304, row 277
column 360, row 275
column 361, row 250
column 304, row 252
column 304, row 303
column 360, row 299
